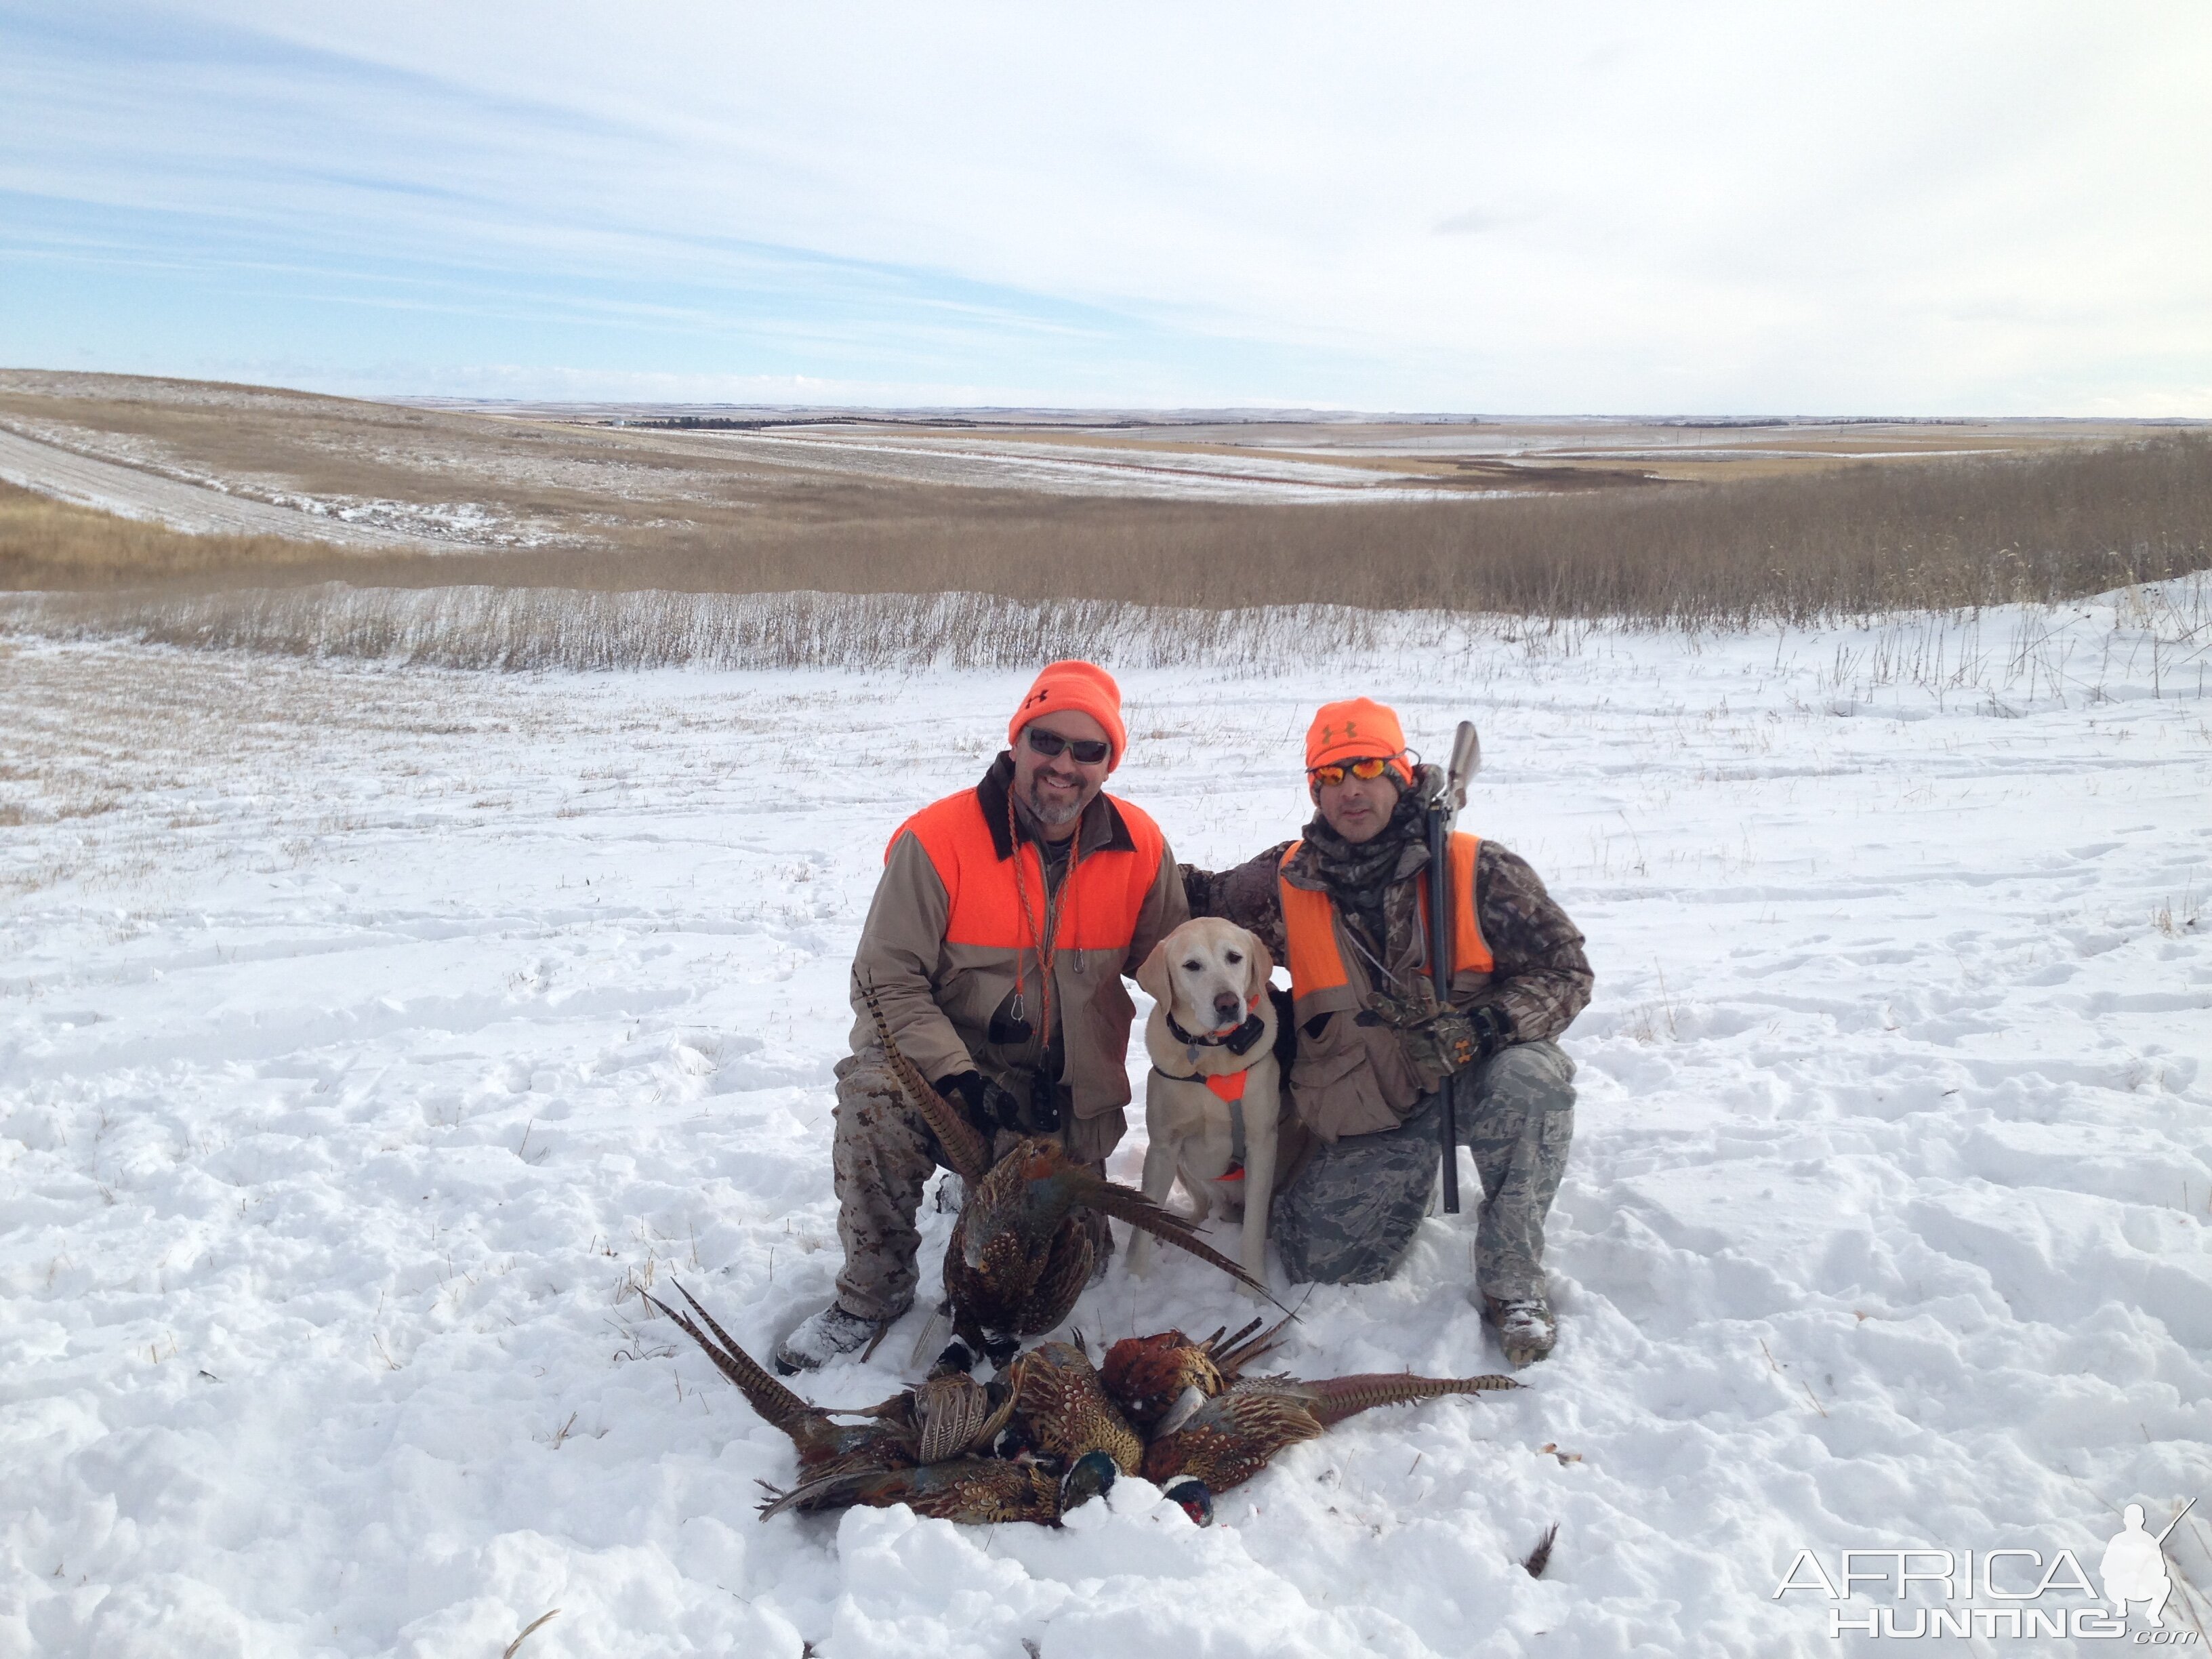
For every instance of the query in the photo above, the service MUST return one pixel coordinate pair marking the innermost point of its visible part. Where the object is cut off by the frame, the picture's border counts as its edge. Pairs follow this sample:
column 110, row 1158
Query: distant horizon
column 1251, row 414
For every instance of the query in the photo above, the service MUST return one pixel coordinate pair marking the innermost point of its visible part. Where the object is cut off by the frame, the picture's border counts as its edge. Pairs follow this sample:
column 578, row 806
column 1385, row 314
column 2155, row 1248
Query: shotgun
column 1443, row 811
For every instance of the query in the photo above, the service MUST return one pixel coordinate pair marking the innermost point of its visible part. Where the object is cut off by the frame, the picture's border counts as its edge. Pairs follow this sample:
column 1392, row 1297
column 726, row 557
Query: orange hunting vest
column 1319, row 983
column 1101, row 908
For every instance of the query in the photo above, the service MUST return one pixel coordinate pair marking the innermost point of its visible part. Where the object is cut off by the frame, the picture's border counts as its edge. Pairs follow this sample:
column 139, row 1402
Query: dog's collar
column 1238, row 1041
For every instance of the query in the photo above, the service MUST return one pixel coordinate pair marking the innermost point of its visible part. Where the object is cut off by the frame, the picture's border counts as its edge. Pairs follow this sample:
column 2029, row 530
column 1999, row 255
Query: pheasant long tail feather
column 777, row 1404
column 1127, row 1204
column 1338, row 1397
column 1220, row 1332
column 807, row 1491
column 1234, row 1356
column 963, row 1148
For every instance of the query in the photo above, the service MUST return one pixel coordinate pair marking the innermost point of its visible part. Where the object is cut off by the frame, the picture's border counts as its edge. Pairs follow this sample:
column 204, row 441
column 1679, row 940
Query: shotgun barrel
column 1444, row 813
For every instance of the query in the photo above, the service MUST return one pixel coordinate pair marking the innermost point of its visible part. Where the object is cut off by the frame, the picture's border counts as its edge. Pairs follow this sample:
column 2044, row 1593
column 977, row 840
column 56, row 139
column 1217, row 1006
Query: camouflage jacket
column 1540, row 979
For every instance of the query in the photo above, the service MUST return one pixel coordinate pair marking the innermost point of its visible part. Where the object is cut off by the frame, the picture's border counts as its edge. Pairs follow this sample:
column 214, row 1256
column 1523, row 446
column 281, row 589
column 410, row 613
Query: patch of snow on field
column 1067, row 469
column 137, row 479
column 368, row 1037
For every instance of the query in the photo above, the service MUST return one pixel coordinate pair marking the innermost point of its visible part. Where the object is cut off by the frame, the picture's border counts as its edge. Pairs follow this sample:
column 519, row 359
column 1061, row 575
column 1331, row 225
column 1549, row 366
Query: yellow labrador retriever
column 1210, row 1102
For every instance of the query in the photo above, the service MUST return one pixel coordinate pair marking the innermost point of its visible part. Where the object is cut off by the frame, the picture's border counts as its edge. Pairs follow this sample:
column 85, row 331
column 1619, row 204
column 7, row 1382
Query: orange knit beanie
column 1358, row 730
column 1083, row 686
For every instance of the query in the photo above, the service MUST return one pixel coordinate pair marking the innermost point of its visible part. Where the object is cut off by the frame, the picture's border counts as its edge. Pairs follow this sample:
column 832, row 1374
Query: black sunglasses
column 1089, row 751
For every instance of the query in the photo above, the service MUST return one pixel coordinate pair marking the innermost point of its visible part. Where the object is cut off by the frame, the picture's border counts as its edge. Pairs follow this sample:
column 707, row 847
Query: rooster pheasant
column 1206, row 1445
column 1146, row 1374
column 974, row 1490
column 1021, row 1252
column 1061, row 1412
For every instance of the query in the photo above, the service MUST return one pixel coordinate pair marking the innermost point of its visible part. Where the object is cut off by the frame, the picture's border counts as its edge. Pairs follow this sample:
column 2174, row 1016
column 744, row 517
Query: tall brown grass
column 49, row 544
column 1862, row 540
column 1019, row 577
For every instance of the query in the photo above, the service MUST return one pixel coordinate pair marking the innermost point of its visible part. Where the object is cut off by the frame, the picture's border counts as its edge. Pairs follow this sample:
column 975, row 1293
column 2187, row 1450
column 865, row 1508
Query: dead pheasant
column 1021, row 1251
column 1146, row 1374
column 942, row 1418
column 1207, row 1445
column 973, row 1490
column 1061, row 1413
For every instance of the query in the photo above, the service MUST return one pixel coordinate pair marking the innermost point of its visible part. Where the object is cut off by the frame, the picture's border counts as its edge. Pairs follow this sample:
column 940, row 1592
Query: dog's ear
column 1258, row 965
column 1153, row 974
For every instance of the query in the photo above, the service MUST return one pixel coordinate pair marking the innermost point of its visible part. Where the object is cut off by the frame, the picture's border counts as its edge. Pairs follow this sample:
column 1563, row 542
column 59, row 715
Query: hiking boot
column 827, row 1334
column 1525, row 1328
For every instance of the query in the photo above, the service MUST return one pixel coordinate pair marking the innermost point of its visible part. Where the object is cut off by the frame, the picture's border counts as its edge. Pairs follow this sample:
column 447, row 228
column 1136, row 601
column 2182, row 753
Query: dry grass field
column 46, row 543
column 1705, row 523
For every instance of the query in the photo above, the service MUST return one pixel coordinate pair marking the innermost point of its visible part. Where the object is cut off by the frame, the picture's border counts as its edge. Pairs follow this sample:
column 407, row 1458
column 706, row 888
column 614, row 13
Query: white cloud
column 1866, row 207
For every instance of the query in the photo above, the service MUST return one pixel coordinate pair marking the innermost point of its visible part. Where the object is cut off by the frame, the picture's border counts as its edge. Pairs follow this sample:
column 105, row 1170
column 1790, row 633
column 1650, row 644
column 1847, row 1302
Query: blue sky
column 1926, row 208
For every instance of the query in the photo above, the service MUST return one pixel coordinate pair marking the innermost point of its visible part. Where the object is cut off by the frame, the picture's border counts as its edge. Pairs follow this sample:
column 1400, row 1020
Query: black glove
column 1044, row 1117
column 1492, row 1030
column 983, row 1102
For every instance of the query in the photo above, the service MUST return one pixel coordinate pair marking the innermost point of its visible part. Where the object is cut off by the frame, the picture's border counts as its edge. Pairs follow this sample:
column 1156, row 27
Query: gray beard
column 1049, row 818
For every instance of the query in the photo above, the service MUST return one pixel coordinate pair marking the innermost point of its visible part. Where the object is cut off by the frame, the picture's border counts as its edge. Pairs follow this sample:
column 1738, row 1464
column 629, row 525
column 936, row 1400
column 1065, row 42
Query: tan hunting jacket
column 949, row 943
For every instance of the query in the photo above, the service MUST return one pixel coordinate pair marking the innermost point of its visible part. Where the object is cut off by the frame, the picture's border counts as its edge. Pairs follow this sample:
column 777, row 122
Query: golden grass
column 50, row 544
column 1864, row 539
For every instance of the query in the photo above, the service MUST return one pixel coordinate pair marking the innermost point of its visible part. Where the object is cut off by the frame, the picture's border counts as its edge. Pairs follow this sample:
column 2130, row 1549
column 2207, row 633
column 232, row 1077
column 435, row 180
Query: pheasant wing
column 1066, row 1271
column 1230, row 1438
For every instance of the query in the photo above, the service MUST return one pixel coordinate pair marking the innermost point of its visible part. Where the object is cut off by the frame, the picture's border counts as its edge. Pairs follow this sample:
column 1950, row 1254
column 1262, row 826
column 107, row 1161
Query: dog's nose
column 1227, row 1008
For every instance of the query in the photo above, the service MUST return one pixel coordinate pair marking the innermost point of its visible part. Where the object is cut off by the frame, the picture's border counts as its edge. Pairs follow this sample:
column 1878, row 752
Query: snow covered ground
column 199, row 505
column 367, row 1037
column 1062, row 468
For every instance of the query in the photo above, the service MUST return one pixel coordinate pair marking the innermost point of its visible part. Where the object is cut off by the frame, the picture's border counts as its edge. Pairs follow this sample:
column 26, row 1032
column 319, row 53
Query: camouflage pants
column 881, row 1160
column 1350, row 1215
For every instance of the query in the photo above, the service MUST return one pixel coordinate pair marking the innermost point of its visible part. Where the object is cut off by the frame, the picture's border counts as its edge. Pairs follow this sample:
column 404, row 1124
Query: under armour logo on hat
column 1083, row 687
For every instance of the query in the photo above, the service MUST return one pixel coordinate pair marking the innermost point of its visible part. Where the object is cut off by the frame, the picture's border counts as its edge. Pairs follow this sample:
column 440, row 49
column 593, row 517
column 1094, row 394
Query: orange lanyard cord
column 1047, row 947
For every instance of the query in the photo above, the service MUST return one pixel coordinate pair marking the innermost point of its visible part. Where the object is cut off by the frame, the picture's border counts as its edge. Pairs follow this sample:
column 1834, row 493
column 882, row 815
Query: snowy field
column 368, row 1037
column 1065, row 469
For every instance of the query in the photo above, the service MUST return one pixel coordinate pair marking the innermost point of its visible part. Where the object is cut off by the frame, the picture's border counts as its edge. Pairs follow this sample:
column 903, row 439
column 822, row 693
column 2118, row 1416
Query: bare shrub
column 527, row 628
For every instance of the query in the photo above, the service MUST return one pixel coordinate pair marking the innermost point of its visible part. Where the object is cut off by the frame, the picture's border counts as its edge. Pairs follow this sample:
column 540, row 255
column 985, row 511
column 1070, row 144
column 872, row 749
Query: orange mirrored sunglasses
column 1366, row 770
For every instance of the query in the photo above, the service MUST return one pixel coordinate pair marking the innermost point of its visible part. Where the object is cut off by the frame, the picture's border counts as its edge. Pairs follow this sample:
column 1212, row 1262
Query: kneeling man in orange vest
column 1345, row 906
column 1006, row 920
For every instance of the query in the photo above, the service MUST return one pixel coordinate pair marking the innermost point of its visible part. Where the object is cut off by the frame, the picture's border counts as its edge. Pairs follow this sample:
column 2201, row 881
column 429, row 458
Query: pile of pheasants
column 1049, row 1430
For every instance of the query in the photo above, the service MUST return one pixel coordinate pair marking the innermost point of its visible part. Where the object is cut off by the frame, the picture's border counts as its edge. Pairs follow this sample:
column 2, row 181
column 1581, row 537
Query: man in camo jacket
column 1343, row 906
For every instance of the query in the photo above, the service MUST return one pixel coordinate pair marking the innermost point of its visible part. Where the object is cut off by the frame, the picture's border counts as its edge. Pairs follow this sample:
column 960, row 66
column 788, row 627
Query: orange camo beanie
column 1084, row 687
column 1358, row 730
